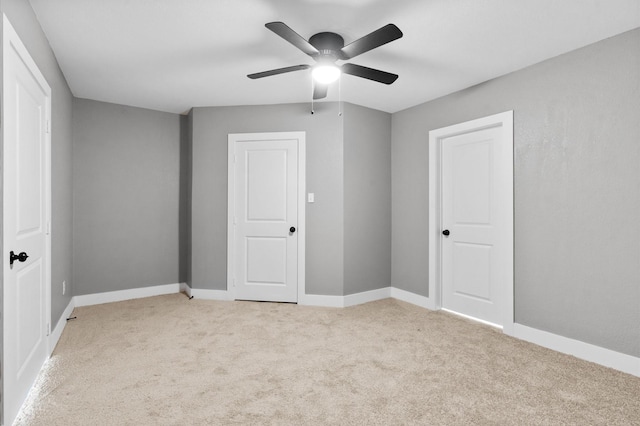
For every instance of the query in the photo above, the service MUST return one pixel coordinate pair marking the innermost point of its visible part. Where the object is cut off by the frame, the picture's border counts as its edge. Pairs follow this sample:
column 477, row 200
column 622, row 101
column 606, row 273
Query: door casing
column 505, row 122
column 234, row 138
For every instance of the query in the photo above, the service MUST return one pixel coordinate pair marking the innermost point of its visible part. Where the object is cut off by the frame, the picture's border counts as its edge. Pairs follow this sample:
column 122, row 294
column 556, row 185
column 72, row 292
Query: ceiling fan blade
column 369, row 73
column 320, row 91
column 381, row 36
column 292, row 37
column 278, row 71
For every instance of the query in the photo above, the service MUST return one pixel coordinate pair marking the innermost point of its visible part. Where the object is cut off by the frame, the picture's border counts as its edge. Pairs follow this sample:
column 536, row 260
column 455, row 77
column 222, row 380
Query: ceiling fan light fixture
column 325, row 74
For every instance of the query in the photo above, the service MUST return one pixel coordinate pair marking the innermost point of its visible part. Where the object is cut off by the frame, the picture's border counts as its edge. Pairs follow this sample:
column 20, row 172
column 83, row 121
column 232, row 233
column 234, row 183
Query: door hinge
column 48, row 126
column 48, row 228
column 48, row 330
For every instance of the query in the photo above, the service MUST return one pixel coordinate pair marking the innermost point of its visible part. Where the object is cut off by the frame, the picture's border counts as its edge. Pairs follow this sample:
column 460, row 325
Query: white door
column 266, row 225
column 476, row 221
column 27, row 106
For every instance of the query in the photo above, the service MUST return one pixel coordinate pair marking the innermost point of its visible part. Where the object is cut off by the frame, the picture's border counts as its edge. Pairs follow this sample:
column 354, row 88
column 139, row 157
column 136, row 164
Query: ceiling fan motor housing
column 328, row 44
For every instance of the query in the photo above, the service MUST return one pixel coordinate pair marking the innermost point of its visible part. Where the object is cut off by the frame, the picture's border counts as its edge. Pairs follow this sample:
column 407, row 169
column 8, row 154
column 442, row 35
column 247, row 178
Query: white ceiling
column 171, row 55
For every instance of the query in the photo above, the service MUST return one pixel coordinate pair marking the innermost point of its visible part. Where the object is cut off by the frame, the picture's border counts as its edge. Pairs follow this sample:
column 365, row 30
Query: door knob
column 446, row 232
column 19, row 257
column 292, row 229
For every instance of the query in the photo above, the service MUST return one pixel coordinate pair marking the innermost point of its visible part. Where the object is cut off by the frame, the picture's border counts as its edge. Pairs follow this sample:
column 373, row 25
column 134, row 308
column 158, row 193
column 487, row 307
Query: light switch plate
column 311, row 197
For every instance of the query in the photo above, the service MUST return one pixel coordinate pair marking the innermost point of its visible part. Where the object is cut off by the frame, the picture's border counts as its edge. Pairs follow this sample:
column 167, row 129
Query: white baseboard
column 344, row 301
column 201, row 293
column 62, row 323
column 366, row 296
column 622, row 362
column 184, row 288
column 586, row 351
column 321, row 300
column 120, row 295
column 414, row 299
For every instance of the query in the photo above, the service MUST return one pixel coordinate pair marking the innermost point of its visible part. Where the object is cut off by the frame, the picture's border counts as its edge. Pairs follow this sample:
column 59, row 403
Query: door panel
column 471, row 252
column 28, row 172
column 472, row 270
column 30, row 332
column 266, row 260
column 472, row 177
column 266, row 207
column 266, row 185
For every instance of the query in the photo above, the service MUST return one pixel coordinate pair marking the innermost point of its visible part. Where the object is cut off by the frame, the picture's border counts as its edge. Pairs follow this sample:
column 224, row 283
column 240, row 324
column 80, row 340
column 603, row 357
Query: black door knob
column 292, row 229
column 446, row 232
column 19, row 257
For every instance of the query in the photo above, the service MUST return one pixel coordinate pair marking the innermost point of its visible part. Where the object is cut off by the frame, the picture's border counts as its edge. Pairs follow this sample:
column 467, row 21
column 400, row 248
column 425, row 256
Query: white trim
column 367, row 296
column 47, row 170
column 232, row 139
column 184, row 288
column 231, row 203
column 505, row 121
column 62, row 323
column 121, row 295
column 606, row 357
column 205, row 294
column 414, row 299
column 302, row 213
column 326, row 301
column 586, row 351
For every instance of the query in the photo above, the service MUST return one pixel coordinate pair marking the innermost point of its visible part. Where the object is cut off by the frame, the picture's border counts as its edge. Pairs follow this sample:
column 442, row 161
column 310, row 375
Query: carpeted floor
column 171, row 360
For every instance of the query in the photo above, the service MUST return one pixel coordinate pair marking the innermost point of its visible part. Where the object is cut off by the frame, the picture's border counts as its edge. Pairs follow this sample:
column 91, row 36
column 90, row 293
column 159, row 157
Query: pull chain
column 312, row 111
column 339, row 97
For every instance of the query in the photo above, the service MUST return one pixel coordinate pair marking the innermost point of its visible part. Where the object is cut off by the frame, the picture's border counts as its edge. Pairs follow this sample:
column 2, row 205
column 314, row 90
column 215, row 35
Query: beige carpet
column 170, row 360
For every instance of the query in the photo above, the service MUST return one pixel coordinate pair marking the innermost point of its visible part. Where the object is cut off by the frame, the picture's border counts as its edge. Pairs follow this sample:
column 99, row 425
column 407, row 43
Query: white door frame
column 11, row 40
column 505, row 121
column 233, row 138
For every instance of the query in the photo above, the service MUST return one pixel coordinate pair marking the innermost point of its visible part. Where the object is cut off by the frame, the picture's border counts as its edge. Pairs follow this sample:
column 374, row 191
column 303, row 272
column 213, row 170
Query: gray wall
column 24, row 21
column 325, row 217
column 126, row 182
column 577, row 189
column 367, row 199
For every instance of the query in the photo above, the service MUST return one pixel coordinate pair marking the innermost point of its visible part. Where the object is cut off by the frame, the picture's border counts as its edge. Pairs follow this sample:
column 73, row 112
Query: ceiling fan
column 326, row 49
